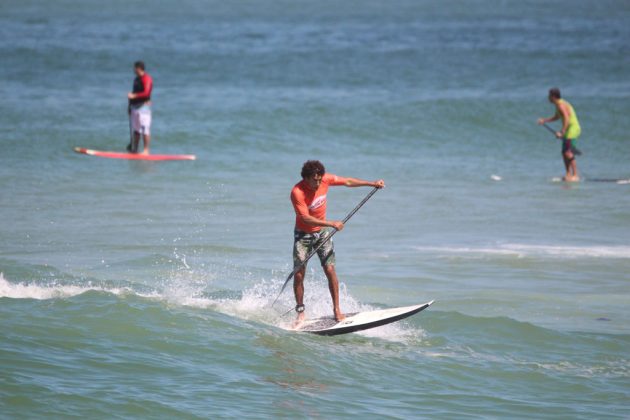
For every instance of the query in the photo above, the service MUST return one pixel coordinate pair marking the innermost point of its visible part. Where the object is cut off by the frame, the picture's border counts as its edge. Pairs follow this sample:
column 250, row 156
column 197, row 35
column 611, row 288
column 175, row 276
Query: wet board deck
column 359, row 321
column 131, row 156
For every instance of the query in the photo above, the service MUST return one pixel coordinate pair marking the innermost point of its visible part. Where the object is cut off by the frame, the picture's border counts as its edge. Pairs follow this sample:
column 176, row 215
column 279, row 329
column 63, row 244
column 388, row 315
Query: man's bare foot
column 299, row 320
column 145, row 152
column 571, row 178
column 339, row 316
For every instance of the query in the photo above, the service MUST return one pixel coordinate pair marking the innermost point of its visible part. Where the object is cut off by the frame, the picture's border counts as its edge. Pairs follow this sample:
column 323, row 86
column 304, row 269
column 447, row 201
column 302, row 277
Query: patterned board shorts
column 306, row 242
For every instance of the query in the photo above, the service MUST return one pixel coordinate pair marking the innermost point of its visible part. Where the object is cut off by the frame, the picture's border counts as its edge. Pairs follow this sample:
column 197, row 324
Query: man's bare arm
column 354, row 182
column 541, row 121
column 314, row 221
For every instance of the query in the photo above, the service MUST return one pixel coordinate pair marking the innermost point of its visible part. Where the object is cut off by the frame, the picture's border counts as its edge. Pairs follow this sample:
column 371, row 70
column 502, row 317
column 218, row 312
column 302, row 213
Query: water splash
column 52, row 290
column 187, row 287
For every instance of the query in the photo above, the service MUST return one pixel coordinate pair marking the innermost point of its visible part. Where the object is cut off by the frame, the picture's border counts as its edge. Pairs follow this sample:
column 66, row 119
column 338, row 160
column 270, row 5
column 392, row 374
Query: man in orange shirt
column 309, row 202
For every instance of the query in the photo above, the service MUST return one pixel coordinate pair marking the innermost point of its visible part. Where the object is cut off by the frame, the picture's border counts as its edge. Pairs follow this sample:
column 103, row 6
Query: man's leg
column 326, row 255
column 298, row 291
column 573, row 163
column 136, row 142
column 147, row 140
column 333, row 286
column 573, row 167
column 144, row 116
column 569, row 163
column 301, row 246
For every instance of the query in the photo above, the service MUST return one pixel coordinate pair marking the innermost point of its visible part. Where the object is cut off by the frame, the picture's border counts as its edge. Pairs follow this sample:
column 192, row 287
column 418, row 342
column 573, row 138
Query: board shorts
column 569, row 145
column 304, row 243
column 141, row 119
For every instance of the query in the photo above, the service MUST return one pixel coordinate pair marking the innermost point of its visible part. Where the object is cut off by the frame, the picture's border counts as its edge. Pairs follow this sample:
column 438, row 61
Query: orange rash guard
column 307, row 202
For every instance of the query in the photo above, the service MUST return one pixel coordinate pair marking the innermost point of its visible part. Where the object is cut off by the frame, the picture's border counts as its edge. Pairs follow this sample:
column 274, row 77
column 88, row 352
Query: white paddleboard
column 359, row 321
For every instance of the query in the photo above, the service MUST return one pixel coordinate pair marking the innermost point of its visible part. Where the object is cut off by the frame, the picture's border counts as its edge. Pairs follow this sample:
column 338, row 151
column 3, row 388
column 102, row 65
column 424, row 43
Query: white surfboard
column 359, row 321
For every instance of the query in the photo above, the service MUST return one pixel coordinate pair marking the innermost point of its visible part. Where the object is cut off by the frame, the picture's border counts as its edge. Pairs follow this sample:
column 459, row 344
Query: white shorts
column 141, row 120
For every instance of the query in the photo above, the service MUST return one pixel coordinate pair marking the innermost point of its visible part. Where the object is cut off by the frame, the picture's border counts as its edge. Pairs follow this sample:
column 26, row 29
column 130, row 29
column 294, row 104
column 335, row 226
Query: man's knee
column 329, row 269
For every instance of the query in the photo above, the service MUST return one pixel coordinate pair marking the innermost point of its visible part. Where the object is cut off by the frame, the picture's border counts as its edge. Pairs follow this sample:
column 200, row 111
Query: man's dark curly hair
column 312, row 167
column 555, row 93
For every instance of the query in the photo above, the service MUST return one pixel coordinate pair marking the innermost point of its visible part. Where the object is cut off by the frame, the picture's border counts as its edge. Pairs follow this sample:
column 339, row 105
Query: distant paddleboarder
column 311, row 227
column 569, row 133
column 140, row 108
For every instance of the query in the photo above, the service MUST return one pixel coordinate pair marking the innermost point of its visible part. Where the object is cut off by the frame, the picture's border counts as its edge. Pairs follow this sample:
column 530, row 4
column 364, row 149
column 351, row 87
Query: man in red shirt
column 140, row 108
column 309, row 202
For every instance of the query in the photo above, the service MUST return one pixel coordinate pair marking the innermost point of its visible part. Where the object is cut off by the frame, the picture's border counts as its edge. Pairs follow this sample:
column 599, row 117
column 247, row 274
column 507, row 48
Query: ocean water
column 143, row 290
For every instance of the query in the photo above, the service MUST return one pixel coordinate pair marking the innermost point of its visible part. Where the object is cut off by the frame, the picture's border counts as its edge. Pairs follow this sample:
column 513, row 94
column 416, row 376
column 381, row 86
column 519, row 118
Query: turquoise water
column 142, row 290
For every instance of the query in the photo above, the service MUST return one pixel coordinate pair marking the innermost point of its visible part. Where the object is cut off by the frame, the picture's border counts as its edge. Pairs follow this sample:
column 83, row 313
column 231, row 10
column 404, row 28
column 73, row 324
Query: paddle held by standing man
column 311, row 229
column 139, row 108
column 569, row 132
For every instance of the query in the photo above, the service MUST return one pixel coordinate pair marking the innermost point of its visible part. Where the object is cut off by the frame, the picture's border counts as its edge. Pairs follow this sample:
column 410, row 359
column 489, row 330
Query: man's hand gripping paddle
column 326, row 239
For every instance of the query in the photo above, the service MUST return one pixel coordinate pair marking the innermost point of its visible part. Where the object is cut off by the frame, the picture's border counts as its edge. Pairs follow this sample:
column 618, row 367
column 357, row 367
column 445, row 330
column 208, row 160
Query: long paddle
column 548, row 127
column 577, row 151
column 326, row 239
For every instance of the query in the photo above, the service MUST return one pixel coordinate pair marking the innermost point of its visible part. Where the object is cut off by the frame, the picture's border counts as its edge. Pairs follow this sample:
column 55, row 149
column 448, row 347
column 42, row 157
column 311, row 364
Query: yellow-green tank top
column 574, row 130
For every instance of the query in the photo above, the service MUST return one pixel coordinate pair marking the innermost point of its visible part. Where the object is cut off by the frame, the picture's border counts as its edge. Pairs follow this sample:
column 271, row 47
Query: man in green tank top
column 569, row 133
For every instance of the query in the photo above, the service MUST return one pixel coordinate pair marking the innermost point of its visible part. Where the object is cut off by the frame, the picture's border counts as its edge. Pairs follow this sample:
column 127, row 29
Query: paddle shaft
column 326, row 239
column 551, row 130
column 130, row 147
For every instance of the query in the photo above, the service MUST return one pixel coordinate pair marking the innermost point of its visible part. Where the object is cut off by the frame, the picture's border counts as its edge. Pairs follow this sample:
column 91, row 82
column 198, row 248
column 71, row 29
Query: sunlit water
column 133, row 289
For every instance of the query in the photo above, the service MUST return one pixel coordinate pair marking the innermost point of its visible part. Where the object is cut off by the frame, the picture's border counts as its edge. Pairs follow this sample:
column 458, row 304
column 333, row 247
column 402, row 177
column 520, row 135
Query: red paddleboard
column 131, row 156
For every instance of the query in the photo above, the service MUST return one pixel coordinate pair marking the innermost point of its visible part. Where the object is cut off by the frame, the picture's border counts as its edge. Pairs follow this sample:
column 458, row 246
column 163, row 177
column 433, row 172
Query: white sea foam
column 254, row 303
column 522, row 250
column 591, row 369
column 574, row 251
column 467, row 250
column 47, row 291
